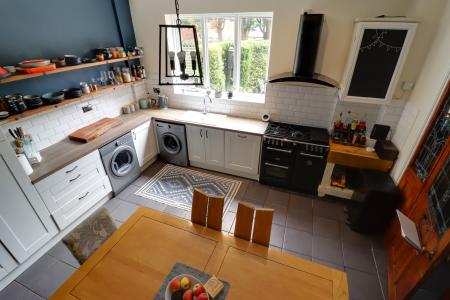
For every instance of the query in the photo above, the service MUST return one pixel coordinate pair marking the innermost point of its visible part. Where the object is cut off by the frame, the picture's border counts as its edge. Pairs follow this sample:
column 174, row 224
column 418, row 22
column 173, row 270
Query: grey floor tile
column 16, row 291
column 293, row 253
column 329, row 264
column 123, row 211
column 279, row 215
column 363, row 286
column 127, row 192
column 327, row 249
column 377, row 242
column 299, row 220
column 175, row 211
column 359, row 258
column 277, row 235
column 350, row 236
column 148, row 173
column 298, row 241
column 227, row 221
column 301, row 204
column 277, row 198
column 154, row 204
column 45, row 275
column 256, row 193
column 326, row 209
column 325, row 227
column 112, row 204
column 62, row 253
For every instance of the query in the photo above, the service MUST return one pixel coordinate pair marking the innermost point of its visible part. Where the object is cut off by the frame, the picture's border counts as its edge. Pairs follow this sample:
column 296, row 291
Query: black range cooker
column 294, row 156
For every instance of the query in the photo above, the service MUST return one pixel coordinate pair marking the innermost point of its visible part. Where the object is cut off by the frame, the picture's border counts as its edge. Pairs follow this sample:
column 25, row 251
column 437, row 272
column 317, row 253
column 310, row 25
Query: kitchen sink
column 198, row 116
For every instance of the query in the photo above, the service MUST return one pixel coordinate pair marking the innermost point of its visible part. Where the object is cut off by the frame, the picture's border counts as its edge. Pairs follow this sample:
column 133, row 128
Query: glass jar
column 126, row 75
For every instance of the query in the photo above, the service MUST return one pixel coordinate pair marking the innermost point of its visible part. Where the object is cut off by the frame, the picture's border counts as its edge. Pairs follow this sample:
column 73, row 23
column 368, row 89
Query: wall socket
column 87, row 108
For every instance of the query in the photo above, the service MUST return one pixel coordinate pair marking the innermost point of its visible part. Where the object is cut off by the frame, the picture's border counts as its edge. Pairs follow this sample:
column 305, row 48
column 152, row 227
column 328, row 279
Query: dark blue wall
column 32, row 29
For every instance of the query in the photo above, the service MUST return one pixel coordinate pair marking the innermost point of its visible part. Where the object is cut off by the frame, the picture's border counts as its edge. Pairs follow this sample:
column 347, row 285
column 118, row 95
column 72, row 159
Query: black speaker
column 380, row 132
column 307, row 44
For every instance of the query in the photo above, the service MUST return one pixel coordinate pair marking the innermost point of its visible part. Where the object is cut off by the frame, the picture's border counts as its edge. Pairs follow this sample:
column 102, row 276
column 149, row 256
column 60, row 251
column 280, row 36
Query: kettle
column 163, row 100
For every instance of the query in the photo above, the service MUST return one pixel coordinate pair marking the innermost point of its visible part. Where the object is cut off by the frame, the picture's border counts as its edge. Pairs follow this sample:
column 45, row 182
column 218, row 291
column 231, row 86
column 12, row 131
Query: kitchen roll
column 265, row 117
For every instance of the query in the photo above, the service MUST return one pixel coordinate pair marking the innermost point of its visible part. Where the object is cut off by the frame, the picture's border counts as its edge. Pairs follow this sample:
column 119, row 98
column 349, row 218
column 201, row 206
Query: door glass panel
column 435, row 141
column 171, row 144
column 439, row 195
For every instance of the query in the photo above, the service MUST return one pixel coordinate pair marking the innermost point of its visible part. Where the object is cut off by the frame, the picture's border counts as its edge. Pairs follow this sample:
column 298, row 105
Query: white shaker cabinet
column 206, row 145
column 242, row 153
column 25, row 222
column 145, row 142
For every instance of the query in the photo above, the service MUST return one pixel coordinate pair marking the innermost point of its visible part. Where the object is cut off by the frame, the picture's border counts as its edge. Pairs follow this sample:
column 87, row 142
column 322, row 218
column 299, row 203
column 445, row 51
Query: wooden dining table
column 135, row 260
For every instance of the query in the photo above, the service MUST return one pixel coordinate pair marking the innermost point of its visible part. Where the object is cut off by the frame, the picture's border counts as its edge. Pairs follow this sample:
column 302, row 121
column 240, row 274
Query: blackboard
column 376, row 61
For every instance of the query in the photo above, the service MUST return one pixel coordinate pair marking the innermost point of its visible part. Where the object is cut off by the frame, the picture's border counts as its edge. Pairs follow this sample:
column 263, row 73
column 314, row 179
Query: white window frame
column 238, row 96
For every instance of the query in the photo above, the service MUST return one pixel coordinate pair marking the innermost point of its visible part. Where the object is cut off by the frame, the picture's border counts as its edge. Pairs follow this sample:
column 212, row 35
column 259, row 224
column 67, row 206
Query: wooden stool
column 244, row 221
column 207, row 210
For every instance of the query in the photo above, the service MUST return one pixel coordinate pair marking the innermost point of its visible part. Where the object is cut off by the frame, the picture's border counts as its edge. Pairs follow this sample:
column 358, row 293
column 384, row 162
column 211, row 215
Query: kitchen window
column 235, row 52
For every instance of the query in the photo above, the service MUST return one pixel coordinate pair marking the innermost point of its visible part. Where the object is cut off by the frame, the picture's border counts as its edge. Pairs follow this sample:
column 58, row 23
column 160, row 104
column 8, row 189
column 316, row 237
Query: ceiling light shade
column 179, row 54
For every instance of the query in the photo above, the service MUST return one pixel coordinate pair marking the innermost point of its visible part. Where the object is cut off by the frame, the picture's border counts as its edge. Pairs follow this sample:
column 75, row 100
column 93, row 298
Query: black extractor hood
column 306, row 53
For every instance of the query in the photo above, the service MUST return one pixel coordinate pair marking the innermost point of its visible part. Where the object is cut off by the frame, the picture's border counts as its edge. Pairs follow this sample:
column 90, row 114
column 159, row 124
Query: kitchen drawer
column 81, row 201
column 7, row 262
column 59, row 188
column 69, row 172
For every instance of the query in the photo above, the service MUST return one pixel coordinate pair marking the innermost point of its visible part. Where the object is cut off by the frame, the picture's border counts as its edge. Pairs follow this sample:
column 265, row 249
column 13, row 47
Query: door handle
column 134, row 135
column 73, row 179
column 71, row 170
column 280, row 150
column 84, row 196
column 242, row 136
column 201, row 133
column 276, row 166
column 207, row 134
column 311, row 155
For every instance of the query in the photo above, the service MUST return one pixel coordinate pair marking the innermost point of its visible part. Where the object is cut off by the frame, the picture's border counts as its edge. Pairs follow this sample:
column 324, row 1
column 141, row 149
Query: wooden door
column 215, row 147
column 144, row 142
column 406, row 267
column 196, row 143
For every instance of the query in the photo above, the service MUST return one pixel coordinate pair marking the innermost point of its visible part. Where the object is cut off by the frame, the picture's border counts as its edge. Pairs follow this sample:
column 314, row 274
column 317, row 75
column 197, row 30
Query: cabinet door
column 196, row 143
column 7, row 262
column 215, row 147
column 25, row 222
column 242, row 152
column 144, row 142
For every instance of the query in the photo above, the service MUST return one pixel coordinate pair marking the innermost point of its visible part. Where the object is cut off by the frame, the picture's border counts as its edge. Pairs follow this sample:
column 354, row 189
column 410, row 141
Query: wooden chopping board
column 93, row 131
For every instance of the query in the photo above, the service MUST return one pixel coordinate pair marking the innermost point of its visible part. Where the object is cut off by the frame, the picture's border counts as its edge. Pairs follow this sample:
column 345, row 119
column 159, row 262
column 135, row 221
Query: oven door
column 276, row 174
column 308, row 172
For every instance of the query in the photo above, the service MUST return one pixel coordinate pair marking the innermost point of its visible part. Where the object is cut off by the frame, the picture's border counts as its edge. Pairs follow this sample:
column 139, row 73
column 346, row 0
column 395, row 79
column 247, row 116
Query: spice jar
column 126, row 75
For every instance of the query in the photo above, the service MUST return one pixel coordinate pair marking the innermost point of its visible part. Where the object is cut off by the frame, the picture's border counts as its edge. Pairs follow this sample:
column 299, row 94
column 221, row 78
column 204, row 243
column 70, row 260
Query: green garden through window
column 235, row 50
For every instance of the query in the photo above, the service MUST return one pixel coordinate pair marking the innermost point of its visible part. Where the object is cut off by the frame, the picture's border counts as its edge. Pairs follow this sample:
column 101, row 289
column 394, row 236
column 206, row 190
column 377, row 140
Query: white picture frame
column 360, row 27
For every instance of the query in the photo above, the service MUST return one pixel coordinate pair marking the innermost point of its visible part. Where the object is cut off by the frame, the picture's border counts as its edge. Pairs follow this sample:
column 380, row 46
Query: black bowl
column 53, row 98
column 72, row 60
column 72, row 93
column 33, row 101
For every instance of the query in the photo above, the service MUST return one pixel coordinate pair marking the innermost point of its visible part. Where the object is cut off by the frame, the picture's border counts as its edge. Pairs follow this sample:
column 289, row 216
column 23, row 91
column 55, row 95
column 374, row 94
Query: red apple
column 202, row 296
column 185, row 283
column 198, row 289
column 188, row 295
column 174, row 285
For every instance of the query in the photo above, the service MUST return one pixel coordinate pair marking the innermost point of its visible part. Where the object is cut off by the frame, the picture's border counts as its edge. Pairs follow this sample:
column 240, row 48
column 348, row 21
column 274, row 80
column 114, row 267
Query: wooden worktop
column 357, row 157
column 134, row 261
column 66, row 151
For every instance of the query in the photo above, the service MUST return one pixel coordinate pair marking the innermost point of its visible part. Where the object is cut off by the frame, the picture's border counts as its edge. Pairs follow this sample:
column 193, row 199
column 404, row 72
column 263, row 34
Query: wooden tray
column 93, row 131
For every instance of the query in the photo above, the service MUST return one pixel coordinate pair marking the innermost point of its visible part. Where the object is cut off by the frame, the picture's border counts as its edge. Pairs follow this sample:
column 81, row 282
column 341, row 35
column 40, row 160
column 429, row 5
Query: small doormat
column 174, row 186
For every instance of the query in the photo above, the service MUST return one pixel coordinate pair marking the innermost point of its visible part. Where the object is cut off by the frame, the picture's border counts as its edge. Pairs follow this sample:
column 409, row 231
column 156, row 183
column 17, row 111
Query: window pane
column 187, row 38
column 221, row 53
column 255, row 43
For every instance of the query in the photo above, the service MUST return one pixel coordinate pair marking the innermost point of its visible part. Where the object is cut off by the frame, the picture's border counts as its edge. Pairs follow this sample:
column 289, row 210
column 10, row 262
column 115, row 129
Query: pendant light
column 179, row 60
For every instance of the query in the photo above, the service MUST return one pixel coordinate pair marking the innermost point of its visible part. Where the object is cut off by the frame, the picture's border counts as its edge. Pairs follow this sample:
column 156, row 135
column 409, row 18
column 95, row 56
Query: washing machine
column 120, row 161
column 172, row 143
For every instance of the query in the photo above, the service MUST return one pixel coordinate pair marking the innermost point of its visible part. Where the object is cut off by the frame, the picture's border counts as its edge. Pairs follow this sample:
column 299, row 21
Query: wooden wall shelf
column 46, row 108
column 67, row 69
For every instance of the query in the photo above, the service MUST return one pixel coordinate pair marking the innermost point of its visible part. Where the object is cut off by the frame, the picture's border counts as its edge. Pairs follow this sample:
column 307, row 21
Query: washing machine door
column 123, row 161
column 171, row 143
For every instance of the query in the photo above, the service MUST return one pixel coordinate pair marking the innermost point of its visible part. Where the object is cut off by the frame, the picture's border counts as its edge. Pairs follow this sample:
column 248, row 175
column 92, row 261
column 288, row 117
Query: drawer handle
column 242, row 136
column 71, row 170
column 73, row 179
column 84, row 196
column 279, row 150
column 276, row 166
